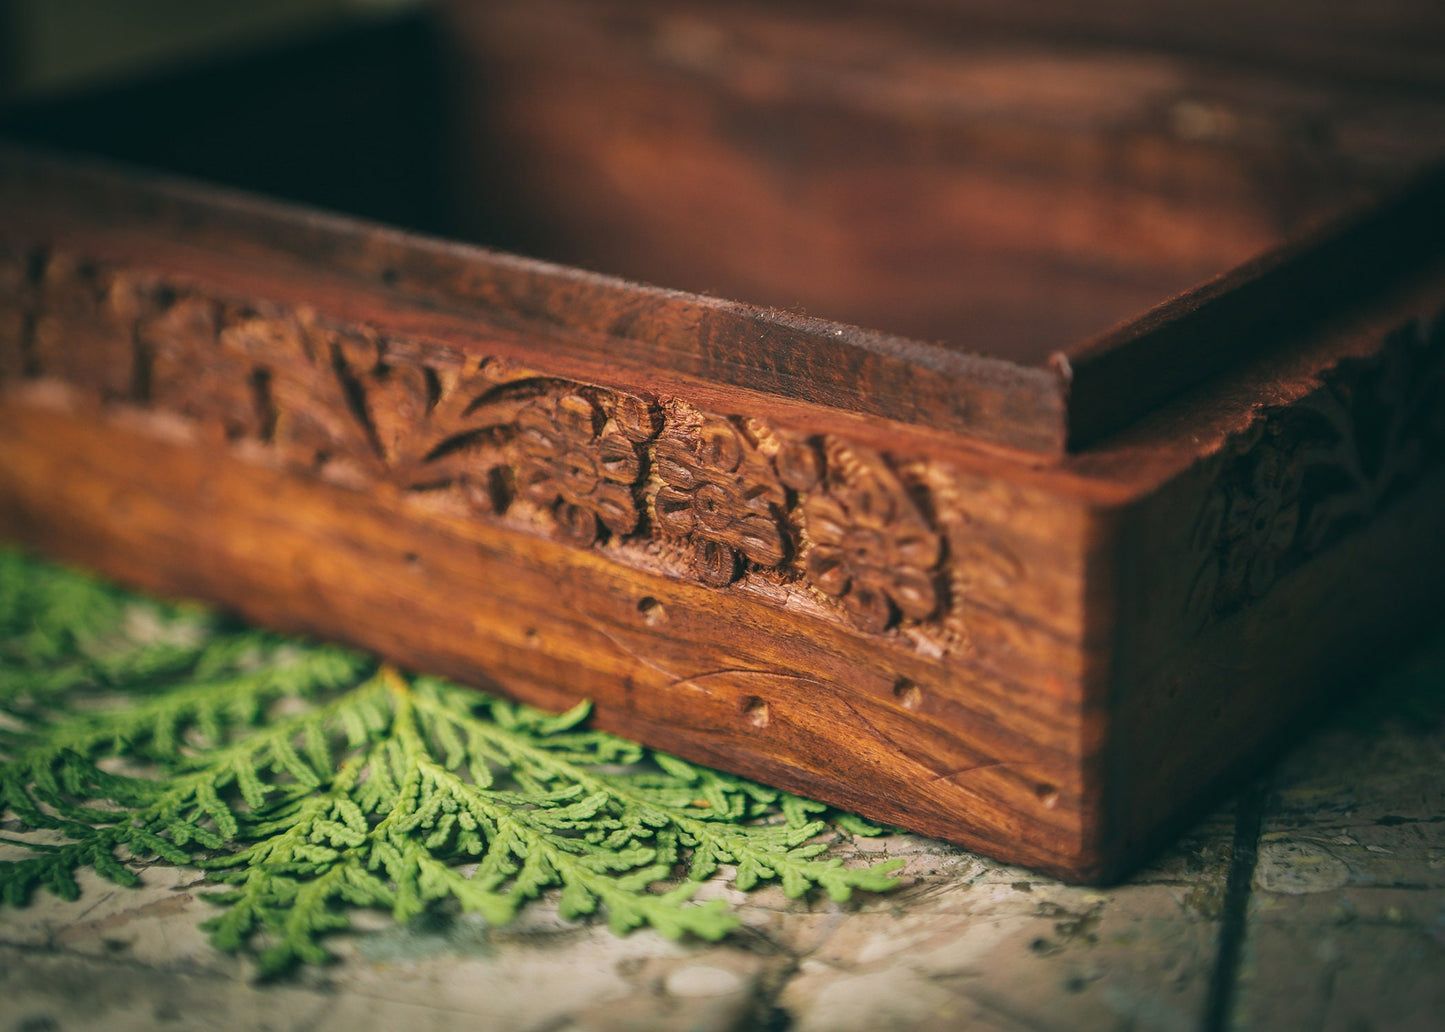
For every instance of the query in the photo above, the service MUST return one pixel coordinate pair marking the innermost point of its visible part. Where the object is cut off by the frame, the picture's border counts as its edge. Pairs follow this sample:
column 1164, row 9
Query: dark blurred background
column 54, row 45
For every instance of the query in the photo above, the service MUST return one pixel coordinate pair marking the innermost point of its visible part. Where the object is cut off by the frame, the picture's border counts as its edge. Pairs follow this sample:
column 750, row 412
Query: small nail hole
column 908, row 694
column 533, row 638
column 412, row 559
column 651, row 610
column 757, row 713
column 390, row 276
column 1048, row 795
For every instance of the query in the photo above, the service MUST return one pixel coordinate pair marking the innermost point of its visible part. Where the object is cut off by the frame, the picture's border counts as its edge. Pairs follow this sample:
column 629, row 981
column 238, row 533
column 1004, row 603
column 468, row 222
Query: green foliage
column 310, row 781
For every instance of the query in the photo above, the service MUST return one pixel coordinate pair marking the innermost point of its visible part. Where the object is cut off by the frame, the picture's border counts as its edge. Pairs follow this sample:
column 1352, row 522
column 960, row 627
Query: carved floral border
column 1307, row 474
column 726, row 496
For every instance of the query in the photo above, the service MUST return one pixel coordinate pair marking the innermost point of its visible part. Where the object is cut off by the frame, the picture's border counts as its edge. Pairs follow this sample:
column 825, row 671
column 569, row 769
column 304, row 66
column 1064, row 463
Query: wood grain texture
column 589, row 321
column 881, row 166
column 721, row 676
column 1043, row 609
column 1398, row 43
column 1284, row 294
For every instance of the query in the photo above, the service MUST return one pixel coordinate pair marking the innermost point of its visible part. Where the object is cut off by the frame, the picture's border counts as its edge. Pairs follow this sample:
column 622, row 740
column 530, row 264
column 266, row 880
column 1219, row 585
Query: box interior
column 1003, row 192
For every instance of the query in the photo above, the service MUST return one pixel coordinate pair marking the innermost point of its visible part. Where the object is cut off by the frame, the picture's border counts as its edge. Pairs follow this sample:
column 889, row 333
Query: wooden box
column 1002, row 574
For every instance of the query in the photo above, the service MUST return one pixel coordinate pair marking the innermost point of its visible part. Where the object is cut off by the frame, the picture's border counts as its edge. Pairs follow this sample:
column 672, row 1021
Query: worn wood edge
column 1387, row 47
column 357, row 307
column 1283, row 295
column 1128, row 466
column 728, row 342
column 1097, row 389
column 1189, row 328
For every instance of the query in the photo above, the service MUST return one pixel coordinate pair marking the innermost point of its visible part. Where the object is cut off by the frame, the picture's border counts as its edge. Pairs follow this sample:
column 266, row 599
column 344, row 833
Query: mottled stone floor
column 1315, row 900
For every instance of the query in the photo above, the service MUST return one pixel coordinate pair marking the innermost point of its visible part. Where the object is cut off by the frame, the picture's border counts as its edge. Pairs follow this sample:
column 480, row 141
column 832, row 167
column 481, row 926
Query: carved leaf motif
column 195, row 374
column 16, row 311
column 718, row 493
column 1386, row 417
column 398, row 396
column 423, row 426
column 492, row 429
column 870, row 546
column 314, row 420
column 84, row 330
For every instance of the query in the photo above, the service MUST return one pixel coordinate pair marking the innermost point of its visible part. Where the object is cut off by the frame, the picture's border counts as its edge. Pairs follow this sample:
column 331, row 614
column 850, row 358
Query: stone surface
column 1346, row 921
column 1334, row 919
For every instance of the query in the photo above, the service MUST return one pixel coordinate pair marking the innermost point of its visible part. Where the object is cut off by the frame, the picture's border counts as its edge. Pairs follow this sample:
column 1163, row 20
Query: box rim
column 1080, row 395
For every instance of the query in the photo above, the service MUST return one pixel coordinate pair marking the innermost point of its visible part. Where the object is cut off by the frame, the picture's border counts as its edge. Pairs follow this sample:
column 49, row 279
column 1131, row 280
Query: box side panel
column 1283, row 567
column 835, row 614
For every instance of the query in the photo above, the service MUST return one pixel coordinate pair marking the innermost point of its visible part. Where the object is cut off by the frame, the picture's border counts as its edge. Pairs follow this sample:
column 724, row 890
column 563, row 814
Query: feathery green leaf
column 309, row 781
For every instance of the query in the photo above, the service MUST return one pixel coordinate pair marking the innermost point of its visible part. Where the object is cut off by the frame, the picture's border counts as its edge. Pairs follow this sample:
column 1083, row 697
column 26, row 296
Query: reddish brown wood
column 1041, row 610
column 1282, row 295
column 900, row 169
column 590, row 321
column 1400, row 42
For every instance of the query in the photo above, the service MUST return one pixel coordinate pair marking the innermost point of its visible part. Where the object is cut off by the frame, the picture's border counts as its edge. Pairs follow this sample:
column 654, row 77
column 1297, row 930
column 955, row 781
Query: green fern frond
column 308, row 782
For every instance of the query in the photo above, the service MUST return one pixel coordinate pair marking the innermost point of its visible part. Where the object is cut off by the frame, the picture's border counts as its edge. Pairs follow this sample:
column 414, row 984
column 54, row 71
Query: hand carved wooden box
column 1034, row 596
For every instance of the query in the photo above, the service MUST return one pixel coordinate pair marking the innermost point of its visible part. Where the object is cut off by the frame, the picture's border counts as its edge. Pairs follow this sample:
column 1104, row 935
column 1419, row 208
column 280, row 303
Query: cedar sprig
column 308, row 781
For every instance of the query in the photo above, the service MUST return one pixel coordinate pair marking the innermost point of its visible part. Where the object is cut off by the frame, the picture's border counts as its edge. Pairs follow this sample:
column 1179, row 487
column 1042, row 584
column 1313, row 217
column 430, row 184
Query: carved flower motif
column 718, row 494
column 870, row 546
column 584, row 466
column 1248, row 525
column 1261, row 521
